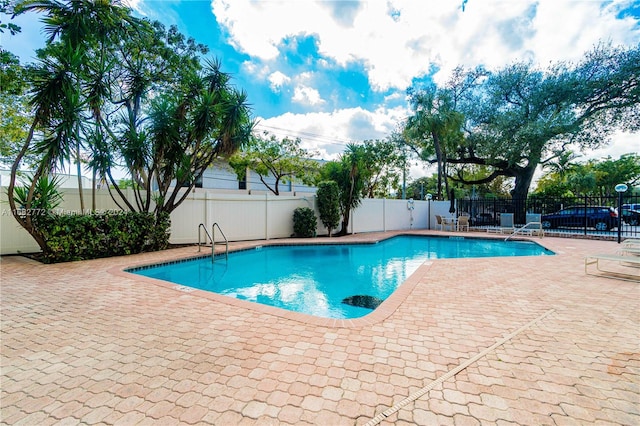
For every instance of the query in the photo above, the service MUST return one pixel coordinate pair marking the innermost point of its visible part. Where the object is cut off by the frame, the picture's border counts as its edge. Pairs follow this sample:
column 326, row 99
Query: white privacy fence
column 240, row 216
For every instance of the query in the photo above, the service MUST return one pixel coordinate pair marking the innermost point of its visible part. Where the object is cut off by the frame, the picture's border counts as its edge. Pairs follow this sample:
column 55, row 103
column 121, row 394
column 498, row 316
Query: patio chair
column 463, row 222
column 439, row 222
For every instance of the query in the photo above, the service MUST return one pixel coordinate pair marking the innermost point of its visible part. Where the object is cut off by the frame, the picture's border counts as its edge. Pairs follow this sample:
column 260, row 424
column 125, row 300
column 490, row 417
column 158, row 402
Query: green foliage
column 14, row 108
column 81, row 237
column 349, row 173
column 304, row 222
column 420, row 187
column 328, row 195
column 434, row 130
column 6, row 8
column 383, row 162
column 521, row 116
column 46, row 195
column 114, row 91
column 593, row 178
column 284, row 160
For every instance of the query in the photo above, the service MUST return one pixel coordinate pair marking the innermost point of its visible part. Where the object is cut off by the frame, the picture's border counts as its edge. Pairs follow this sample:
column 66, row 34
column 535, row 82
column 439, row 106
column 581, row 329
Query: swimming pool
column 322, row 280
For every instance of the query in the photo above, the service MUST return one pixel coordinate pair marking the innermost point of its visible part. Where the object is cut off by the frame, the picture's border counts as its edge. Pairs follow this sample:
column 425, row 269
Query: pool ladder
column 212, row 238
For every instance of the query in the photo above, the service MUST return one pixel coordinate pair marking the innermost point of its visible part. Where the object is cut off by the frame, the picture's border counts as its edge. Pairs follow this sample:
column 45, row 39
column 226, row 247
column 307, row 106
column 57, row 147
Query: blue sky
column 334, row 72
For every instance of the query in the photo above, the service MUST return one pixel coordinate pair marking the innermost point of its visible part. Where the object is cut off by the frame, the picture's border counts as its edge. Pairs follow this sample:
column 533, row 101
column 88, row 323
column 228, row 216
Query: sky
column 336, row 72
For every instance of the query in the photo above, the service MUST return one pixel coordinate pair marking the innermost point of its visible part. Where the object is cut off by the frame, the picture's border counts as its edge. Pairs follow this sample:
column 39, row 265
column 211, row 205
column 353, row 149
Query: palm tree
column 347, row 174
column 76, row 30
column 187, row 132
column 434, row 125
column 120, row 91
column 88, row 29
column 55, row 101
column 563, row 164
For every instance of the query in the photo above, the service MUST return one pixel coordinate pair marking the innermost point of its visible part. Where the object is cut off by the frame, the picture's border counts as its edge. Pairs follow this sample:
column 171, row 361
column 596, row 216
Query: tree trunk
column 345, row 223
column 25, row 222
column 79, row 163
column 523, row 181
column 438, row 148
column 93, row 191
column 519, row 194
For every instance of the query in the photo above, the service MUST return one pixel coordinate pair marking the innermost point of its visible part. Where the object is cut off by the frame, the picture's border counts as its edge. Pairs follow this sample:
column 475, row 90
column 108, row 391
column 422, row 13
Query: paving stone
column 85, row 343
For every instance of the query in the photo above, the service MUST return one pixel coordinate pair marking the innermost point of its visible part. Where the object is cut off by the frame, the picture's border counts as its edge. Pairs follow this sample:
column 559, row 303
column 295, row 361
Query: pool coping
column 382, row 312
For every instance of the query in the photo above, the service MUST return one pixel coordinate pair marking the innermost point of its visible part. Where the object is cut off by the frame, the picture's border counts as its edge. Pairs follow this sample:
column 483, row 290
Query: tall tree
column 349, row 174
column 434, row 129
column 284, row 160
column 78, row 30
column 383, row 162
column 167, row 149
column 521, row 116
column 127, row 93
column 328, row 195
column 56, row 89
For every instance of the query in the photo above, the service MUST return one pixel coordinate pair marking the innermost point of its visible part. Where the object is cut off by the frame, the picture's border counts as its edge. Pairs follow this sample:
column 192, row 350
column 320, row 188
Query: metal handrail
column 212, row 238
column 208, row 235
column 213, row 241
column 524, row 227
column 206, row 232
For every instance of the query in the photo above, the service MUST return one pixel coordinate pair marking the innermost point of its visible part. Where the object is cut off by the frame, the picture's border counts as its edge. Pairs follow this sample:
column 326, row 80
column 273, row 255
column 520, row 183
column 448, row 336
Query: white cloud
column 330, row 132
column 307, row 95
column 260, row 71
column 400, row 39
column 621, row 143
column 133, row 4
column 277, row 80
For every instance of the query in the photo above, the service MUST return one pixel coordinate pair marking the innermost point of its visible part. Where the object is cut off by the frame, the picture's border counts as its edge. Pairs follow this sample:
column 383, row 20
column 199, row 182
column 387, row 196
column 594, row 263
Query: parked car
column 599, row 217
column 631, row 207
column 631, row 217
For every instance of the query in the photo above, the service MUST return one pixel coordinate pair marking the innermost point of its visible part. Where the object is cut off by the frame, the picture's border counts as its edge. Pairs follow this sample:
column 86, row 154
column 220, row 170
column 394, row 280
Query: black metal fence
column 576, row 215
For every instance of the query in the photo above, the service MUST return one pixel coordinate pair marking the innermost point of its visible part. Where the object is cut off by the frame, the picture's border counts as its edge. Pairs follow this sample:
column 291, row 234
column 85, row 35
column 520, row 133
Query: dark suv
column 599, row 217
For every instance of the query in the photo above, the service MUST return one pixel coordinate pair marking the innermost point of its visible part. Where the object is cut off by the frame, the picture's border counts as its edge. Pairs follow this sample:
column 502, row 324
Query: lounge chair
column 506, row 225
column 628, row 266
column 631, row 243
column 629, row 250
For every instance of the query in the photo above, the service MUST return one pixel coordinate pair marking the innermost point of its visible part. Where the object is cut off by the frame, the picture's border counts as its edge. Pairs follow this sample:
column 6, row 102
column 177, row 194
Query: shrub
column 304, row 222
column 81, row 237
column 329, row 204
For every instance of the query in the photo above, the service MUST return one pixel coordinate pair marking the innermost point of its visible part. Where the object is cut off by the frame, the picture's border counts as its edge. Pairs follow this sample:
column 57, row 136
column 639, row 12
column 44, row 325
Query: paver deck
column 464, row 342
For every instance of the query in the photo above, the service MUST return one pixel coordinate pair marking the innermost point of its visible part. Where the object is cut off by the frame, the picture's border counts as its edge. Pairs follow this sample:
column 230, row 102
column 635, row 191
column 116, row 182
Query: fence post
column 266, row 216
column 384, row 214
column 586, row 200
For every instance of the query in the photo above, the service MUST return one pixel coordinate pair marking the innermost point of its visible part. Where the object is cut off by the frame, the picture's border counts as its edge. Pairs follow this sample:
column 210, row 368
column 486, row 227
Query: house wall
column 222, row 177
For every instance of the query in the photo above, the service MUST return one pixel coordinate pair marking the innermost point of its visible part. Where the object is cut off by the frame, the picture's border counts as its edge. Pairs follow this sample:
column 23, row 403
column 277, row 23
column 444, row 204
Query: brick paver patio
column 530, row 341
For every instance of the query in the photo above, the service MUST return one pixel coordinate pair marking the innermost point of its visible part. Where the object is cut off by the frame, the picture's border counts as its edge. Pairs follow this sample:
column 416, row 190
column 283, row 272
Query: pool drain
column 380, row 417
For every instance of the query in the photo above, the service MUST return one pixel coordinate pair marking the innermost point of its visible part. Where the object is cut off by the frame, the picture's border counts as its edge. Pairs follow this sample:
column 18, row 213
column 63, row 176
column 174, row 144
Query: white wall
column 239, row 215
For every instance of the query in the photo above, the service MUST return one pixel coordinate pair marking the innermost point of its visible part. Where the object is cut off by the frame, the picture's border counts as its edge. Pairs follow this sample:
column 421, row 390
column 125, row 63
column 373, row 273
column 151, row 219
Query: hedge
column 81, row 237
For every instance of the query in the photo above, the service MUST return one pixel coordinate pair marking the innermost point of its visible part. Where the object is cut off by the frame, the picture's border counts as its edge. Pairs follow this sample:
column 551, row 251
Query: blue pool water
column 315, row 279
